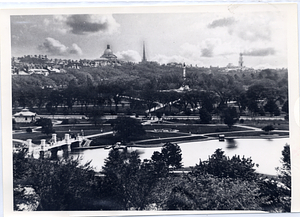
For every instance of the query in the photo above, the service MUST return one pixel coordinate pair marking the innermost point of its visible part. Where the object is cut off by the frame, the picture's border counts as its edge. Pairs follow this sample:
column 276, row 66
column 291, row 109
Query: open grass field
column 194, row 128
column 278, row 124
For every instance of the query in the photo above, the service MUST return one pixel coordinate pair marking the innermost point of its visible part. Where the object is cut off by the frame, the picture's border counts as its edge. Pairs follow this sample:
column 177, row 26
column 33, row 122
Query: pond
column 264, row 152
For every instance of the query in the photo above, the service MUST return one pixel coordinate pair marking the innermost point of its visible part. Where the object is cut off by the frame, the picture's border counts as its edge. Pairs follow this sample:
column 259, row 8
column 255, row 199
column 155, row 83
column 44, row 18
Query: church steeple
column 144, row 53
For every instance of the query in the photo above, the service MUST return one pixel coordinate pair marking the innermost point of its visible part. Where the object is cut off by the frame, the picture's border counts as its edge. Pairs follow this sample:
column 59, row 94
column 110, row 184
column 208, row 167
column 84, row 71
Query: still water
column 264, row 152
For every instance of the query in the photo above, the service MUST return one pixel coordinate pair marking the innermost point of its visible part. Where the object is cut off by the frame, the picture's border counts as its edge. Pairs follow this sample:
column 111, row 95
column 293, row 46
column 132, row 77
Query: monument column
column 30, row 149
column 54, row 138
column 42, row 152
column 68, row 142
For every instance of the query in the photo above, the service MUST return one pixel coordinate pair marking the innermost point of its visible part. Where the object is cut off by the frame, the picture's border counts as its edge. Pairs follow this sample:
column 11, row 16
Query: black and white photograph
column 151, row 109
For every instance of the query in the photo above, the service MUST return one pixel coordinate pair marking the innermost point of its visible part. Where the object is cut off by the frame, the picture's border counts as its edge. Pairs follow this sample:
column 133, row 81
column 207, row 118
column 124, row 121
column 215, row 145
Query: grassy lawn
column 161, row 138
column 174, row 140
column 110, row 139
column 195, row 129
column 278, row 124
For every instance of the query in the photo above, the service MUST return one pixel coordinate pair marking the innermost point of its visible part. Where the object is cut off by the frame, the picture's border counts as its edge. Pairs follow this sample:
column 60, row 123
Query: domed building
column 108, row 58
column 108, row 54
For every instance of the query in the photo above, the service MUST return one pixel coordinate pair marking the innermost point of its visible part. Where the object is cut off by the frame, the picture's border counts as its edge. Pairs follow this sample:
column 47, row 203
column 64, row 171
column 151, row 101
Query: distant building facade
column 25, row 116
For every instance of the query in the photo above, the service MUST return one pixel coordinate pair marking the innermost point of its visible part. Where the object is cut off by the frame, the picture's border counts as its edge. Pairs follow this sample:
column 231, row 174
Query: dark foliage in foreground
column 220, row 183
column 60, row 185
column 221, row 166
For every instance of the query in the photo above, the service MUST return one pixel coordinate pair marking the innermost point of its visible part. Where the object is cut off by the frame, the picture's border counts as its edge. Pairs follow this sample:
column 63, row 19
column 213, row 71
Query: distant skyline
column 206, row 39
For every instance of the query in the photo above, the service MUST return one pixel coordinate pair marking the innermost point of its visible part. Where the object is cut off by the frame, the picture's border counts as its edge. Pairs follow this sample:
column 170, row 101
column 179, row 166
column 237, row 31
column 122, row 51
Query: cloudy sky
column 205, row 39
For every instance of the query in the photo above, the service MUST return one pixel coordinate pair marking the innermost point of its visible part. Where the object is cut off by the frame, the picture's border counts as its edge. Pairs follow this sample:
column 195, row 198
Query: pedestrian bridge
column 51, row 148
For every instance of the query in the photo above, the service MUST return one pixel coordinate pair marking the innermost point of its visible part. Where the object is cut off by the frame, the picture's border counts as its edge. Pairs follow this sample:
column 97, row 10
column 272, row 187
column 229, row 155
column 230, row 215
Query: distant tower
column 184, row 86
column 241, row 61
column 184, row 72
column 144, row 53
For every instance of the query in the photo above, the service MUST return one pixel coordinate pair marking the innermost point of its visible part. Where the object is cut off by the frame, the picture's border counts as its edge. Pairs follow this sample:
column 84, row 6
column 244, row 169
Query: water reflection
column 231, row 143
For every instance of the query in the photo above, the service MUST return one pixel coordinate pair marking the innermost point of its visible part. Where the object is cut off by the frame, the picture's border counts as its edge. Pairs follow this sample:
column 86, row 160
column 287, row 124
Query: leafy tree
column 63, row 184
column 206, row 193
column 20, row 165
column 241, row 100
column 47, row 126
column 268, row 128
column 127, row 128
column 60, row 185
column 275, row 193
column 158, row 115
column 205, row 116
column 252, row 106
column 207, row 100
column 50, row 108
column 56, row 98
column 230, row 116
column 271, row 107
column 285, row 107
column 285, row 170
column 285, row 177
column 95, row 116
column 70, row 94
column 128, row 182
column 171, row 154
column 222, row 86
column 160, row 167
column 219, row 165
column 21, row 171
column 149, row 96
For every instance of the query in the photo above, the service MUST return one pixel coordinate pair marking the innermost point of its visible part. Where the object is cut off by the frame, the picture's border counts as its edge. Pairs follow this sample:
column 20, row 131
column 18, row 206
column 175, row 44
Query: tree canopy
column 127, row 128
column 219, row 165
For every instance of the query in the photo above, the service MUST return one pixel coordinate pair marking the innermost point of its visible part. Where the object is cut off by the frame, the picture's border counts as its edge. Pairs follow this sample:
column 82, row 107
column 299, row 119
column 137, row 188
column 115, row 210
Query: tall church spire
column 144, row 53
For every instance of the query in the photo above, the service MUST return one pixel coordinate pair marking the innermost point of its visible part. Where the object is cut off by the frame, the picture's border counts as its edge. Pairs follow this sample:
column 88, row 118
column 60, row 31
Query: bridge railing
column 53, row 143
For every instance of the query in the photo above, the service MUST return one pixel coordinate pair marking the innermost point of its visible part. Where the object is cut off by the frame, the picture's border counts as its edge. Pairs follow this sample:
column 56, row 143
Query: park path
column 98, row 134
column 248, row 127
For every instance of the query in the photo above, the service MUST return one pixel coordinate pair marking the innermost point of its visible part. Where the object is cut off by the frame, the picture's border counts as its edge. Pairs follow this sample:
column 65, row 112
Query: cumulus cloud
column 55, row 47
column 82, row 24
column 129, row 56
column 252, row 33
column 75, row 49
column 246, row 27
column 222, row 22
column 260, row 52
column 208, row 46
column 193, row 51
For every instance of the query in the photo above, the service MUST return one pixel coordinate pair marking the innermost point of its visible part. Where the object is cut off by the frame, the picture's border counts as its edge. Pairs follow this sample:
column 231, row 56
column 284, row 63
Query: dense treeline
column 90, row 88
column 128, row 183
